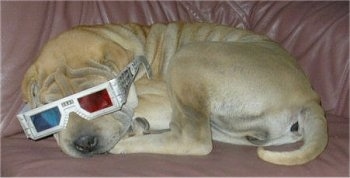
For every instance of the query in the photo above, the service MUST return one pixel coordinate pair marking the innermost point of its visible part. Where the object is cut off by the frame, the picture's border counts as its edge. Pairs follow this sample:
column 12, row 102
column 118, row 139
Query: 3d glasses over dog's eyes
column 91, row 103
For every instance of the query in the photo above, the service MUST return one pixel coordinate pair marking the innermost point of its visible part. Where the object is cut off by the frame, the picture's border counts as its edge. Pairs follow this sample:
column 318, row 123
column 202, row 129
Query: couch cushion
column 21, row 157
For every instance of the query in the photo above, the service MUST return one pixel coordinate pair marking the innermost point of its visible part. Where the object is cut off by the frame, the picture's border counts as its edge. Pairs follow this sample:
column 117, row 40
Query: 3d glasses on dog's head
column 94, row 102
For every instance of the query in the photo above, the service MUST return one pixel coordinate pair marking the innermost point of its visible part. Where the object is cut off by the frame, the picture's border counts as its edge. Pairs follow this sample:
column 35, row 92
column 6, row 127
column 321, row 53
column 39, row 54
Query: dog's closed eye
column 295, row 127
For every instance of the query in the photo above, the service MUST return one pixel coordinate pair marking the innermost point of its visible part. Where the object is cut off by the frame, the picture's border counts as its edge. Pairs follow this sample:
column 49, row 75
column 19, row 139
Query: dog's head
column 72, row 62
column 83, row 137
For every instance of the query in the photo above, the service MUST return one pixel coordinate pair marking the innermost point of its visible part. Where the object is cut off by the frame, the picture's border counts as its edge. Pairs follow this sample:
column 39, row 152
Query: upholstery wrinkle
column 102, row 11
column 243, row 17
column 194, row 12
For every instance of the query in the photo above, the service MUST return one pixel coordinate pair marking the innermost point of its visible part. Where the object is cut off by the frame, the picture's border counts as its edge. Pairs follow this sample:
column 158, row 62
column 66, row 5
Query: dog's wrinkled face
column 82, row 137
column 77, row 60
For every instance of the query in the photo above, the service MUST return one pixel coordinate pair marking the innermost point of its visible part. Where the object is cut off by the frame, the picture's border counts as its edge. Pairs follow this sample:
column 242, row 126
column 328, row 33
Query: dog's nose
column 86, row 144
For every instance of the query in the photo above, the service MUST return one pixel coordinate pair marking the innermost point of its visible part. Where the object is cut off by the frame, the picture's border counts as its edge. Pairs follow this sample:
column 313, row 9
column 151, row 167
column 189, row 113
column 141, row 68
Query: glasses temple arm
column 127, row 76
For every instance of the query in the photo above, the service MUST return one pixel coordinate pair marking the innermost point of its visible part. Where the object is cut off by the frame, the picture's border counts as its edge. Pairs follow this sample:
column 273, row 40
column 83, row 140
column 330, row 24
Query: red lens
column 95, row 101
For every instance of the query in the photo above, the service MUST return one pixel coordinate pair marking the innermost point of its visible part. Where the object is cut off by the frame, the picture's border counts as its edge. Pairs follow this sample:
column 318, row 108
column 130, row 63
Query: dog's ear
column 30, row 87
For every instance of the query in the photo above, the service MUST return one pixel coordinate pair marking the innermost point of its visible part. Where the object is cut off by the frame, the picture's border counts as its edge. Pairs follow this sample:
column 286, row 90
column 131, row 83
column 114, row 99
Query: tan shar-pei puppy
column 210, row 82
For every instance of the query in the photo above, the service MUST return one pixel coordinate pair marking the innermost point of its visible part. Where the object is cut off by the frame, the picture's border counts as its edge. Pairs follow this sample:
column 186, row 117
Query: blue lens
column 46, row 119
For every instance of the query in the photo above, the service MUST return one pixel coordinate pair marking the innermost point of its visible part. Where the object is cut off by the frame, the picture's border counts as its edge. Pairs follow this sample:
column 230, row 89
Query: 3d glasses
column 91, row 103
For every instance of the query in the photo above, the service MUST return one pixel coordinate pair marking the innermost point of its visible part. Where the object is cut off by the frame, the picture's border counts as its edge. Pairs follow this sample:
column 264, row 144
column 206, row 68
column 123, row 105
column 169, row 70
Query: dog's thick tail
column 314, row 130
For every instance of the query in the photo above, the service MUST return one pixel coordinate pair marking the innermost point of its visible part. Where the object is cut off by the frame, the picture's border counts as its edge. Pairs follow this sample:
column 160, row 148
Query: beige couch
column 316, row 33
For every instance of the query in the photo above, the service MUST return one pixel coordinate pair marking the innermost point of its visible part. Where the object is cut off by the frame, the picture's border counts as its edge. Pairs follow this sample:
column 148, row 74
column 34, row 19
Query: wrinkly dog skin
column 210, row 82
